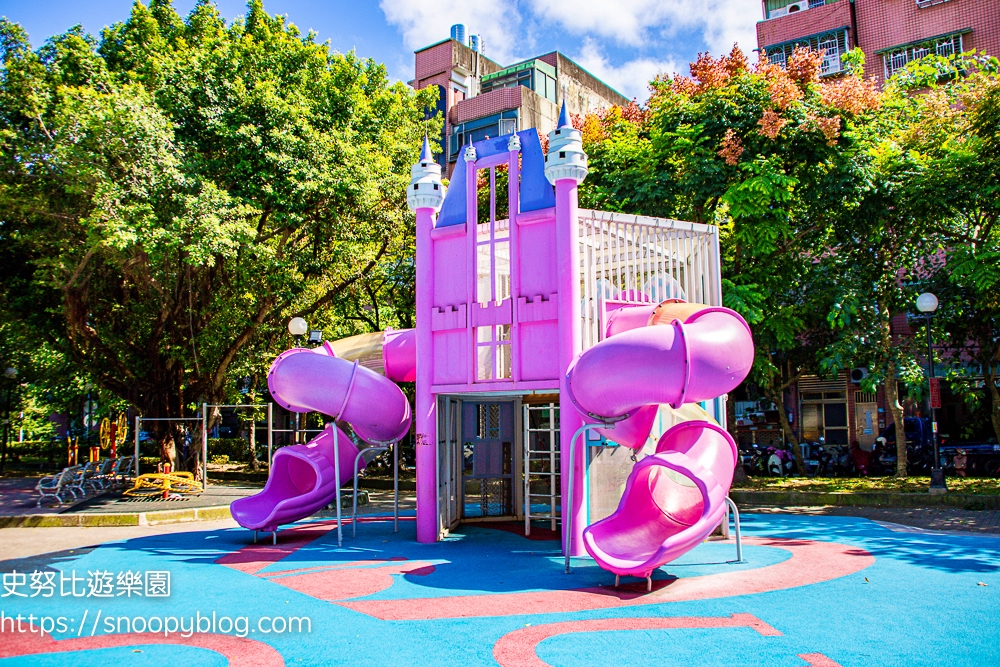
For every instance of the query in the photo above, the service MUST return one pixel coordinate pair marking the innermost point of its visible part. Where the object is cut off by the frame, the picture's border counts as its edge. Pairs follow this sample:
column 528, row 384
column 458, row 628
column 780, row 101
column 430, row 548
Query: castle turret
column 565, row 168
column 424, row 196
column 565, row 159
column 426, row 189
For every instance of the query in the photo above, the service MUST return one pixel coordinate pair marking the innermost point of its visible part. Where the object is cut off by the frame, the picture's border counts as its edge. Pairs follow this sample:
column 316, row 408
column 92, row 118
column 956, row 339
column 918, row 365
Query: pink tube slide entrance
column 672, row 353
column 303, row 478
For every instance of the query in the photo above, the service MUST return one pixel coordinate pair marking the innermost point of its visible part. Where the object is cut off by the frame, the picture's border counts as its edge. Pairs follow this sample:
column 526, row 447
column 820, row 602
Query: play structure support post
column 336, row 472
column 395, row 487
column 270, row 434
column 204, row 445
column 730, row 505
column 135, row 463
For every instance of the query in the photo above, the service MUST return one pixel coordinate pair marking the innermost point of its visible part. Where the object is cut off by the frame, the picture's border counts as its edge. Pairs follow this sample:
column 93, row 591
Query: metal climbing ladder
column 541, row 464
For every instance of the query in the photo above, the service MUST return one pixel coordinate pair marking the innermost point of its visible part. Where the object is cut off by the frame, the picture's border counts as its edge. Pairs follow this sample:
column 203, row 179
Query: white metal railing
column 640, row 259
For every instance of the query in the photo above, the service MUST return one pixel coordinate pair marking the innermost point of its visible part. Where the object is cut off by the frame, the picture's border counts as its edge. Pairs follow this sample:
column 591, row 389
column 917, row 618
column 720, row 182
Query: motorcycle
column 780, row 462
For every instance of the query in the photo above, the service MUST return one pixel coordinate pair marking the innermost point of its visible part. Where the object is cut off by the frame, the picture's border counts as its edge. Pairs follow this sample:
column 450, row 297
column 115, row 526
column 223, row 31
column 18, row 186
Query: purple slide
column 302, row 478
column 672, row 353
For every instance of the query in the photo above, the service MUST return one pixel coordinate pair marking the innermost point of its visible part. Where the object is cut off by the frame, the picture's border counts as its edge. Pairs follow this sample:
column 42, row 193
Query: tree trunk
column 991, row 382
column 731, row 415
column 254, row 466
column 168, row 450
column 896, row 410
column 786, row 428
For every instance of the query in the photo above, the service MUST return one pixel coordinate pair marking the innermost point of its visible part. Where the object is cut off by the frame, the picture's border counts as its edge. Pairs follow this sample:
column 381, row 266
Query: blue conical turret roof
column 425, row 153
column 564, row 117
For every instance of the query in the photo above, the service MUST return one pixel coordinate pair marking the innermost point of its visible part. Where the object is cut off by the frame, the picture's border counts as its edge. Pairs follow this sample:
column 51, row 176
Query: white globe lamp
column 927, row 303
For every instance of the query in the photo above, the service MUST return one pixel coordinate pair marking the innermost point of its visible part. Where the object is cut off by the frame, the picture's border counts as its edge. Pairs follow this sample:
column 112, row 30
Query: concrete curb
column 118, row 519
column 816, row 499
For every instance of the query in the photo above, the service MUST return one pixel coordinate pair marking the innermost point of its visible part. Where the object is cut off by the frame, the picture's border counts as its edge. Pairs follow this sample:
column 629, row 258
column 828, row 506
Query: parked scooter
column 780, row 462
column 754, row 458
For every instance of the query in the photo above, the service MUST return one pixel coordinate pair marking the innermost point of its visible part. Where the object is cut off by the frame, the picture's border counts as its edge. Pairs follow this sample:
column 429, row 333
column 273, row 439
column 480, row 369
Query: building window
column 824, row 415
column 775, row 8
column 897, row 59
column 493, row 356
column 832, row 44
column 535, row 75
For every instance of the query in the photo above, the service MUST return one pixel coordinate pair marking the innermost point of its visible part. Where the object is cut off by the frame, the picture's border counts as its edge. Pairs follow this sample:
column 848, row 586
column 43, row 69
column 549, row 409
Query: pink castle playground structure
column 569, row 366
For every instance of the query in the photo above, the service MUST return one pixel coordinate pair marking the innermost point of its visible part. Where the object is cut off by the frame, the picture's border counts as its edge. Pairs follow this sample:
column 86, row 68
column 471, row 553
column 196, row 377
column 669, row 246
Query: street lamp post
column 10, row 375
column 927, row 303
column 88, row 418
column 297, row 326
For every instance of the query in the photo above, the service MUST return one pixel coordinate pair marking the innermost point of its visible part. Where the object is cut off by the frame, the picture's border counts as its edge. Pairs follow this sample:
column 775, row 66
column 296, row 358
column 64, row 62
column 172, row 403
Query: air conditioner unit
column 797, row 6
column 775, row 13
column 858, row 374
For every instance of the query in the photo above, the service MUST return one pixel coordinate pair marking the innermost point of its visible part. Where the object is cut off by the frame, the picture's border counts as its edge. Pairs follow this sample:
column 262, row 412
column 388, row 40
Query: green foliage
column 836, row 204
column 232, row 450
column 175, row 191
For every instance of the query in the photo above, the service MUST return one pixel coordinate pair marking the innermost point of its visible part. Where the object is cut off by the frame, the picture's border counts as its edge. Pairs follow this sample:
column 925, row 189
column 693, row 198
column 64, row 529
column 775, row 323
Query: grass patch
column 986, row 486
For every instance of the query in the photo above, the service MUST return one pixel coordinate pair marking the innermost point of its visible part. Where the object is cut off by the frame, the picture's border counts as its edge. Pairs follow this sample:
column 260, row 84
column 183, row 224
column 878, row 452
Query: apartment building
column 890, row 32
column 481, row 98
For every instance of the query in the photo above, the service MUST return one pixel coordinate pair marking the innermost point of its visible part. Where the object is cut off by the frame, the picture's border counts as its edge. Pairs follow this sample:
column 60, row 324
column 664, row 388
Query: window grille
column 832, row 44
column 897, row 59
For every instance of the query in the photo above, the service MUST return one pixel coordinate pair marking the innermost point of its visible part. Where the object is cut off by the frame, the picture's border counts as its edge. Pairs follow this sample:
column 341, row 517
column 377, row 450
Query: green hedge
column 236, row 449
column 54, row 450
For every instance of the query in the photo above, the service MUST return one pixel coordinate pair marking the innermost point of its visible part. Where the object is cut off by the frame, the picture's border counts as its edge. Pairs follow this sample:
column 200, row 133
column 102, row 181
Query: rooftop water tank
column 476, row 44
column 458, row 32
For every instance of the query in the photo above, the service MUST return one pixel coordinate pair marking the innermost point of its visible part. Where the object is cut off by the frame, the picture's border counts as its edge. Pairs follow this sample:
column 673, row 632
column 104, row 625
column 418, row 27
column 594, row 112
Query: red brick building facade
column 890, row 32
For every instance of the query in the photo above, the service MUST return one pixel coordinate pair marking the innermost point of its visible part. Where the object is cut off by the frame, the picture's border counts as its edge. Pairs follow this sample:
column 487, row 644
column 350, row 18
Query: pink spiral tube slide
column 303, row 478
column 673, row 353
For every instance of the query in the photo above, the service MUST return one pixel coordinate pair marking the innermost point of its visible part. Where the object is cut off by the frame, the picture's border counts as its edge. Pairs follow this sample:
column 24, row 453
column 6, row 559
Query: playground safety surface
column 815, row 590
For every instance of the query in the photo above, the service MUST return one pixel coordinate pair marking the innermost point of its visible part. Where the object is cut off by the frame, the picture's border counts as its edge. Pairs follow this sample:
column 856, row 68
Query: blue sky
column 625, row 42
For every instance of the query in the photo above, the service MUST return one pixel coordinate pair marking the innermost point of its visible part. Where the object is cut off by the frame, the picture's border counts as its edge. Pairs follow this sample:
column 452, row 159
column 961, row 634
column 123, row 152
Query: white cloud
column 636, row 22
column 513, row 28
column 631, row 78
column 423, row 23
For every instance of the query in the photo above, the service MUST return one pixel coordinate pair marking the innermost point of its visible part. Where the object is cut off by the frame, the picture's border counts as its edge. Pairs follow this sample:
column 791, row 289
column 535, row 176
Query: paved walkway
column 18, row 497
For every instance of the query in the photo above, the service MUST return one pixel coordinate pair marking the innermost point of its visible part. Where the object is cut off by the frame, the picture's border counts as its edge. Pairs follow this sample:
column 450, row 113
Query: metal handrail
column 739, row 540
column 395, row 474
column 382, row 446
column 567, row 510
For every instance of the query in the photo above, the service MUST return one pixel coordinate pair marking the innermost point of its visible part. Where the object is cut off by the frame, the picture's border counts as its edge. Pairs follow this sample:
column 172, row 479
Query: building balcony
column 812, row 17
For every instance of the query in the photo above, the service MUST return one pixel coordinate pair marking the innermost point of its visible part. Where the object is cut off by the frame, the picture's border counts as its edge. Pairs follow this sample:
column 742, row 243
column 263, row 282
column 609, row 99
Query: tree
column 951, row 169
column 172, row 193
column 769, row 156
